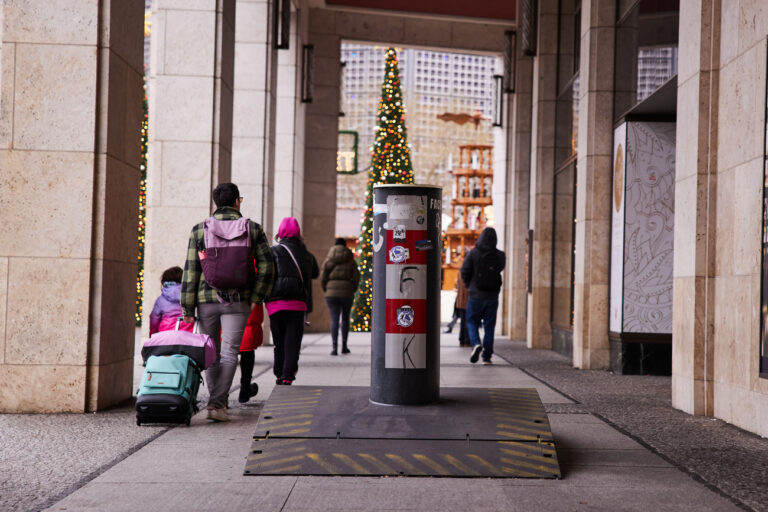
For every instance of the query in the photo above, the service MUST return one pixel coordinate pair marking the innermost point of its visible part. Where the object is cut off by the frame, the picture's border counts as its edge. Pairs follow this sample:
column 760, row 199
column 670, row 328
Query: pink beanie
column 289, row 227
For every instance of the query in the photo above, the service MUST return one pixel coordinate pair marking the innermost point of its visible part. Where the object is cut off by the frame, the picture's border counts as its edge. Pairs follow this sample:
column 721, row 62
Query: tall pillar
column 594, row 174
column 70, row 114
column 693, row 312
column 190, row 126
column 253, row 130
column 544, row 99
column 321, row 144
column 518, row 196
column 289, row 136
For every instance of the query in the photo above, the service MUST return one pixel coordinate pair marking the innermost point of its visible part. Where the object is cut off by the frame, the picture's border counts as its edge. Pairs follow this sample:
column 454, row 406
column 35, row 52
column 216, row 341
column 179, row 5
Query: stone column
column 518, row 197
column 693, row 312
column 253, row 131
column 543, row 99
column 594, row 173
column 289, row 153
column 70, row 114
column 190, row 126
column 321, row 144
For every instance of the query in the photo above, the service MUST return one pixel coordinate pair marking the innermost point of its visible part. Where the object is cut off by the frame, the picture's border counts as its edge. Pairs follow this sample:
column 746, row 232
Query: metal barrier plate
column 471, row 432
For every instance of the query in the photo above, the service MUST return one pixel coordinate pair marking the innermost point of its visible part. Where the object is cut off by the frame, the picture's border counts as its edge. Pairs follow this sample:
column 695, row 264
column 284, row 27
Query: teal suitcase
column 168, row 390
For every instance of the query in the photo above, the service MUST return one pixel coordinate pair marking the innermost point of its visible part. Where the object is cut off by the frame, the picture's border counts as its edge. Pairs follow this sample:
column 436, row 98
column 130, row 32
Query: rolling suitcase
column 168, row 391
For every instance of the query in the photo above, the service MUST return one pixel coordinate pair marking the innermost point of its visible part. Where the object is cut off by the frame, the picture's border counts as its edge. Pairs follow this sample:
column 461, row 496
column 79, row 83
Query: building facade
column 629, row 173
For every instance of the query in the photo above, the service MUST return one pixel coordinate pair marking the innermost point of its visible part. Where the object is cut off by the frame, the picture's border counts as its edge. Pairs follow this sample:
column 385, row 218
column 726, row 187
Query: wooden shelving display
column 473, row 180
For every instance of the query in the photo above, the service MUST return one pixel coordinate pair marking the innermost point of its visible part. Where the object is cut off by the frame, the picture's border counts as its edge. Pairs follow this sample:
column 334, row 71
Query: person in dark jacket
column 339, row 281
column 291, row 298
column 481, row 273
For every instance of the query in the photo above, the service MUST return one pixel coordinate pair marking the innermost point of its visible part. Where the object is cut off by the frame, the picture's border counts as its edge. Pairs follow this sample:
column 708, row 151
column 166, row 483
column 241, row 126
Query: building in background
column 434, row 83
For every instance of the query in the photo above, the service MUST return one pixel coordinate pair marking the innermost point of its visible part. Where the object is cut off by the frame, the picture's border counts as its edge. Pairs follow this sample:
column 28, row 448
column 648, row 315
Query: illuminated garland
column 142, row 209
column 390, row 163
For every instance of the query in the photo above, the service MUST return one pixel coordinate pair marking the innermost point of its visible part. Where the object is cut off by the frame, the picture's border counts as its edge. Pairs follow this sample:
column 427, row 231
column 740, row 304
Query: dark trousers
column 339, row 308
column 463, row 334
column 246, row 368
column 287, row 329
column 482, row 310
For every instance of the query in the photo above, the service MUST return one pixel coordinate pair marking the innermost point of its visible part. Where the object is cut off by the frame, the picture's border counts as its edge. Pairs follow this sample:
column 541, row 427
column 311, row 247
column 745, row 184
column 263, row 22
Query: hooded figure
column 481, row 273
column 291, row 298
column 339, row 281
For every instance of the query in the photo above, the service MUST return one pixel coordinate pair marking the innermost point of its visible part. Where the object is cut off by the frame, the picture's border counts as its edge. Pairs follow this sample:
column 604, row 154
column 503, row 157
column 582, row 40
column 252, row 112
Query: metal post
column 405, row 339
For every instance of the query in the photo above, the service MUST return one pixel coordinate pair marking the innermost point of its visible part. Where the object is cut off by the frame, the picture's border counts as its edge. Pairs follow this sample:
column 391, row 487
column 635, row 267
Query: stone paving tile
column 727, row 459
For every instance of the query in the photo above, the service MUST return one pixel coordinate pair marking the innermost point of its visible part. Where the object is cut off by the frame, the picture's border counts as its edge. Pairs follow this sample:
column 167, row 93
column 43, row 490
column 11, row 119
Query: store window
column 566, row 135
column 646, row 50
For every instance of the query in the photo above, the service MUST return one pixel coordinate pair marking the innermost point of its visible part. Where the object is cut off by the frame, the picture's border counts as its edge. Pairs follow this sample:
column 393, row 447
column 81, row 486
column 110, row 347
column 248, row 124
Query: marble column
column 70, row 114
column 696, row 190
column 593, row 186
column 518, row 197
column 543, row 100
column 322, row 118
column 255, row 98
column 190, row 126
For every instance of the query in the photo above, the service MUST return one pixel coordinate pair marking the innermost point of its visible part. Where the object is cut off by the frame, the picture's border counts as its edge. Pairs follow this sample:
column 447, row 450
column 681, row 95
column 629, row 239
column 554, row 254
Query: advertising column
column 405, row 338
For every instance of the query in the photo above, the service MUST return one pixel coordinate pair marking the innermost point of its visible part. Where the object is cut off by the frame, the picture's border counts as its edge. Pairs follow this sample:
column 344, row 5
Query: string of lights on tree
column 142, row 210
column 390, row 163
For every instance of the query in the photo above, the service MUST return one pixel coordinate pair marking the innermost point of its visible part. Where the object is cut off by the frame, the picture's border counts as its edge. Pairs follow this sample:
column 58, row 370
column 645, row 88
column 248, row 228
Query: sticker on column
column 398, row 254
column 405, row 316
column 405, row 351
column 408, row 212
column 398, row 234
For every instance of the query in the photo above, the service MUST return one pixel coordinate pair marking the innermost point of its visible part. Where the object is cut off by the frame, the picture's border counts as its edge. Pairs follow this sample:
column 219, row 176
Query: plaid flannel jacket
column 195, row 290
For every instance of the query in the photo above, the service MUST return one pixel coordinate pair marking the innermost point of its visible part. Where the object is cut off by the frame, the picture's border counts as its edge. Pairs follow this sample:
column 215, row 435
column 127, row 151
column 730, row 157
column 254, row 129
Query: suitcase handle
column 195, row 329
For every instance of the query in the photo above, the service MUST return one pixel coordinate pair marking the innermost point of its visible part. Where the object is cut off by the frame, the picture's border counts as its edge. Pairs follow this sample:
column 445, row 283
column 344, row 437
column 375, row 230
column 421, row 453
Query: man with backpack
column 229, row 270
column 481, row 273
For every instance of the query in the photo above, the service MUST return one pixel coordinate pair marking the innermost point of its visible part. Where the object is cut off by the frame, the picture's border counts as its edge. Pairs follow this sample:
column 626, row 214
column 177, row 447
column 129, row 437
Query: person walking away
column 481, row 273
column 462, row 296
column 167, row 308
column 339, row 281
column 291, row 298
column 228, row 271
column 253, row 337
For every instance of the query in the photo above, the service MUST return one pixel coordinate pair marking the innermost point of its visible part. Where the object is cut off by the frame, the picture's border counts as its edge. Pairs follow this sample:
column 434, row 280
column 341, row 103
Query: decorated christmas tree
column 390, row 163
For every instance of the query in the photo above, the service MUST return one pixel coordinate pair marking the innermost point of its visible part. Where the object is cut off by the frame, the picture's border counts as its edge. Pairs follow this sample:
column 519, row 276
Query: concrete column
column 253, row 130
column 696, row 189
column 517, row 197
column 70, row 114
column 190, row 125
column 543, row 99
column 593, row 186
column 322, row 119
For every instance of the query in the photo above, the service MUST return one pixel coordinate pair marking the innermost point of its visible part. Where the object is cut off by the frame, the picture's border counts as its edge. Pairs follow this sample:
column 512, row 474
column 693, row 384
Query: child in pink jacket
column 167, row 307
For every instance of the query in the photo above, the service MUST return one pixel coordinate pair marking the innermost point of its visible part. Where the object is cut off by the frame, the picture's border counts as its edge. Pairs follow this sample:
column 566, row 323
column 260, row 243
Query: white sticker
column 398, row 234
column 406, row 351
column 398, row 254
column 405, row 316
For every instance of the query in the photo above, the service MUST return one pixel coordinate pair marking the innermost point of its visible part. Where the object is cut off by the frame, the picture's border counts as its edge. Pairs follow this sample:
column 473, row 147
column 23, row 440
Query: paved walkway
column 620, row 444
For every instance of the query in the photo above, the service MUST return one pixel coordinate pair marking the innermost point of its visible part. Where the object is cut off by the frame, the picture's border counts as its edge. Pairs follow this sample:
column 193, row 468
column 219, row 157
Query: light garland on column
column 142, row 209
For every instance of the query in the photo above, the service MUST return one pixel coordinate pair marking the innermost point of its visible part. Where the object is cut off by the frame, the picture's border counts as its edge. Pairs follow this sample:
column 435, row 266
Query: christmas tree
column 390, row 163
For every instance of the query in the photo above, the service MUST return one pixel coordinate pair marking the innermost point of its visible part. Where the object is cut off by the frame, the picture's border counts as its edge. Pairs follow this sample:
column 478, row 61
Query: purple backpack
column 226, row 259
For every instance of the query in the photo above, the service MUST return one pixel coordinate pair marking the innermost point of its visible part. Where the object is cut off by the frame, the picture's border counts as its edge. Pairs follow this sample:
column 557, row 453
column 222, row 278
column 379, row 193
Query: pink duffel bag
column 198, row 347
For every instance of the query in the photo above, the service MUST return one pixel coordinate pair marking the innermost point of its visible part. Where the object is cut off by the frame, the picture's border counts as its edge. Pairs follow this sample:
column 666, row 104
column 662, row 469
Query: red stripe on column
column 411, row 236
column 419, row 318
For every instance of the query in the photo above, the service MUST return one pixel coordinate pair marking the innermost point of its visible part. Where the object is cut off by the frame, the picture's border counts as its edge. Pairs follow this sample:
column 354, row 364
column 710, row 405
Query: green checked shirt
column 194, row 289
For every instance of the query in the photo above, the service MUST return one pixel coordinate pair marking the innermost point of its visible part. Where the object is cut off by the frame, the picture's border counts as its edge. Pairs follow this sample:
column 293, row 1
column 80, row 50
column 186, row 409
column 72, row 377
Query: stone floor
column 621, row 447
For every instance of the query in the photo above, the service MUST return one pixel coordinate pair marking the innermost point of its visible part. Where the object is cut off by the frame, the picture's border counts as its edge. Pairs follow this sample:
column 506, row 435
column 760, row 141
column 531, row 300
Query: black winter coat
column 288, row 284
column 486, row 243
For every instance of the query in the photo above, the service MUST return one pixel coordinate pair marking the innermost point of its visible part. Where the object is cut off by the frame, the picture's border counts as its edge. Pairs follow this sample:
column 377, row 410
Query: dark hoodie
column 340, row 276
column 486, row 244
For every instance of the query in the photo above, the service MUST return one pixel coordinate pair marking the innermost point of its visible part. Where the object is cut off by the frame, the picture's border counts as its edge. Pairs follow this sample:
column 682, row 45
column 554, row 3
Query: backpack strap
column 294, row 261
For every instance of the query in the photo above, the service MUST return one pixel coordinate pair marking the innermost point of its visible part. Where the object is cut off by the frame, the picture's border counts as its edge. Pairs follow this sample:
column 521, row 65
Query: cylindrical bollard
column 405, row 338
